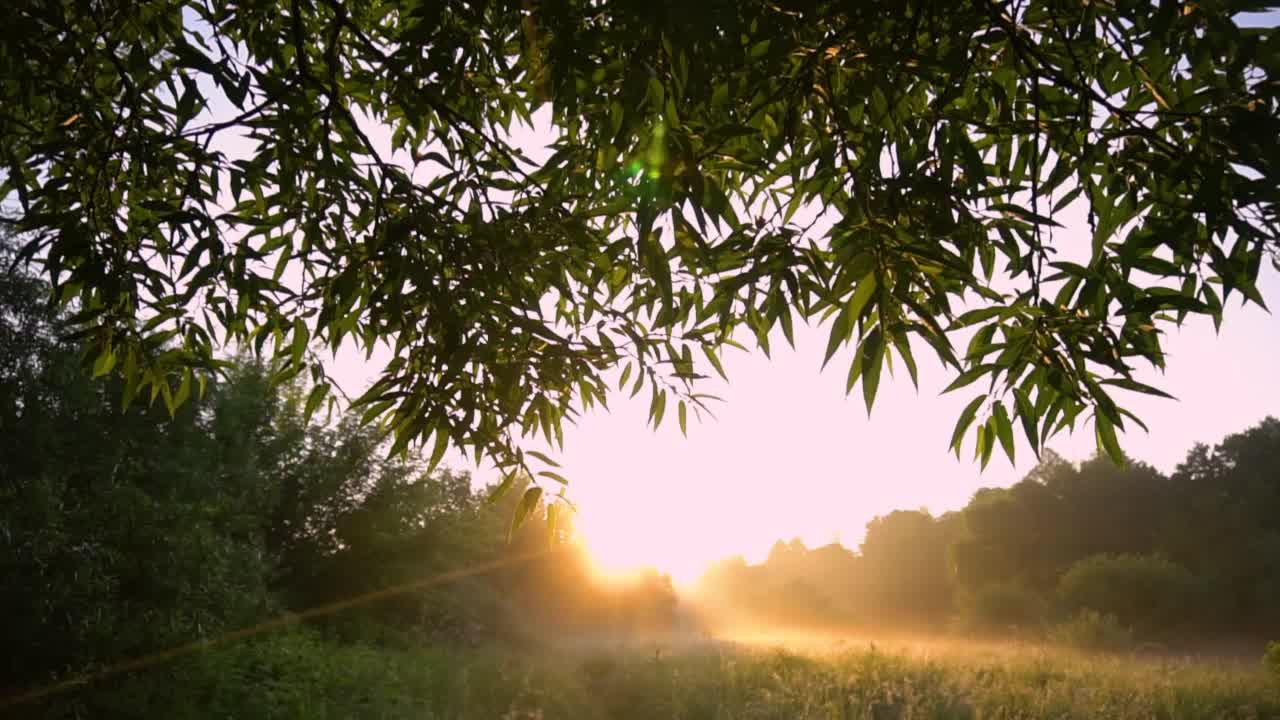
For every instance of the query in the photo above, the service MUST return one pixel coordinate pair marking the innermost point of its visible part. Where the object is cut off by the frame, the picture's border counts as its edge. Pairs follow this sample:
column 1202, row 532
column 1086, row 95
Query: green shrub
column 1092, row 630
column 1149, row 593
column 1271, row 659
column 300, row 674
column 1001, row 607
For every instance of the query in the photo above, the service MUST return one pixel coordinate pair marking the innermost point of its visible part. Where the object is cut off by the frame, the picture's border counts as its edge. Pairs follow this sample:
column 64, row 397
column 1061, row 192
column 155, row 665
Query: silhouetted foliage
column 283, row 175
column 128, row 532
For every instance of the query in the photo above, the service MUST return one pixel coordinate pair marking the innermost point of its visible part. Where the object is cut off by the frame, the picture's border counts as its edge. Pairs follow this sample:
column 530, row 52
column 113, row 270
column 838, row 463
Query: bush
column 1148, row 593
column 1092, row 630
column 1271, row 660
column 301, row 674
column 1001, row 607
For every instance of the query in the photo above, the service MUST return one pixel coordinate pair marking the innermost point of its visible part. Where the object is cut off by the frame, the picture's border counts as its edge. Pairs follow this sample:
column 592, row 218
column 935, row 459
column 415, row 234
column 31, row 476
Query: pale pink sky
column 791, row 456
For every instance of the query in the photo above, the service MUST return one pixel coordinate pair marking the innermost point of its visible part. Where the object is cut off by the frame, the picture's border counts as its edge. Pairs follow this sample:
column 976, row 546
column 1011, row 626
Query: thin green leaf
column 1004, row 430
column 840, row 331
column 554, row 476
column 437, row 453
column 314, row 398
column 965, row 420
column 543, row 457
column 528, row 502
column 873, row 357
column 714, row 360
column 508, row 480
column 1105, row 433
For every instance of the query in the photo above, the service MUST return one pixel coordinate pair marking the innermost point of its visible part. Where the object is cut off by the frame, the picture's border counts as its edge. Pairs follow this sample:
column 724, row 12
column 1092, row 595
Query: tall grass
column 299, row 675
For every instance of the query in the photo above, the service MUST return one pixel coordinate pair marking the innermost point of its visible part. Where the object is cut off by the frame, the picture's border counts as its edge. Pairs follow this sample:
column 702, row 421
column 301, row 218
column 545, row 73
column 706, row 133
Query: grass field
column 298, row 675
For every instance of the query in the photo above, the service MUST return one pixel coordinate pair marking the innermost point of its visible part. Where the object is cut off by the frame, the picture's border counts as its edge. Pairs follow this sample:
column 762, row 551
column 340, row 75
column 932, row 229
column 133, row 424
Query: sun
column 621, row 546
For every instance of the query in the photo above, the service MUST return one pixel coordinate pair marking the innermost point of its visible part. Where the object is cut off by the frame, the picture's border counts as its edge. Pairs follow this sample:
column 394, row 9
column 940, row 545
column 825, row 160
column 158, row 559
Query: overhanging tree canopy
column 291, row 174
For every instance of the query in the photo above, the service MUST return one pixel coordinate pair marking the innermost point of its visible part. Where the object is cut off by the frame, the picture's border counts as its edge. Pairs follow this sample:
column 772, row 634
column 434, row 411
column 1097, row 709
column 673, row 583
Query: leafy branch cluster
column 295, row 175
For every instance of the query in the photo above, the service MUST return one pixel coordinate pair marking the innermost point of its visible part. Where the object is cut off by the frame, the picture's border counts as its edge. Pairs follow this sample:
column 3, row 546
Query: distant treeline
column 1098, row 553
column 127, row 532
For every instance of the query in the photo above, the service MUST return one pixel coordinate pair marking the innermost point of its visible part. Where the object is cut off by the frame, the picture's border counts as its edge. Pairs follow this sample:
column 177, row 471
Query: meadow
column 300, row 675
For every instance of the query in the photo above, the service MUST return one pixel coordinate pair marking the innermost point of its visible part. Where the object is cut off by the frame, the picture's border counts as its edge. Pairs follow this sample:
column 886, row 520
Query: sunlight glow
column 623, row 545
